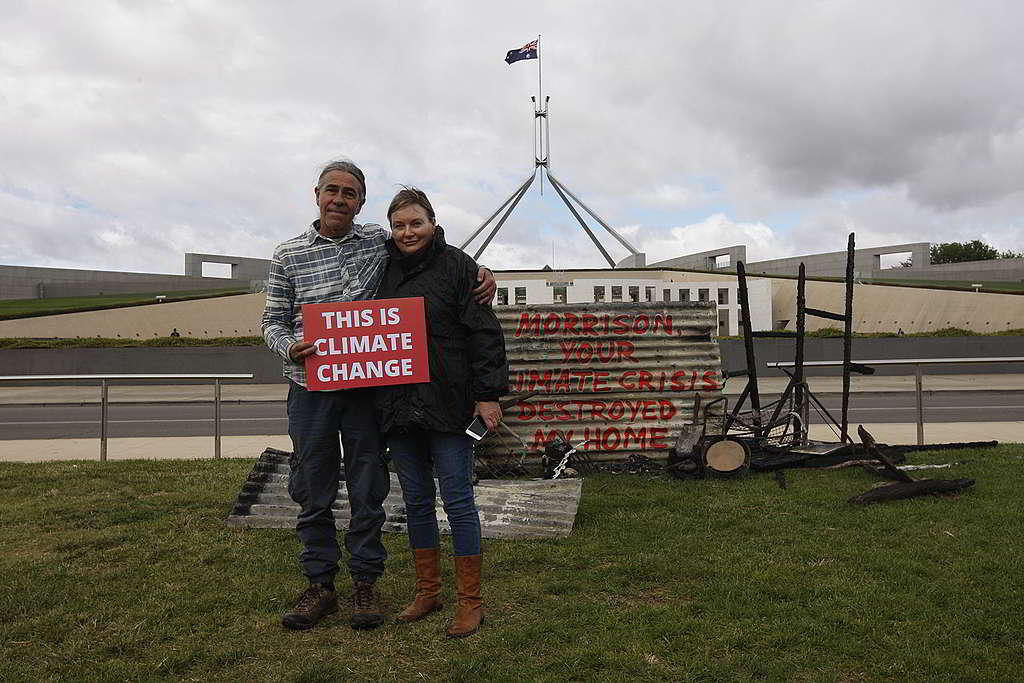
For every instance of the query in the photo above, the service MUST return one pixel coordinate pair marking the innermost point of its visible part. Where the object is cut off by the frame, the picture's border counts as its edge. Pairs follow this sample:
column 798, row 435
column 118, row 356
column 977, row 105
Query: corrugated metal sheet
column 508, row 509
column 622, row 375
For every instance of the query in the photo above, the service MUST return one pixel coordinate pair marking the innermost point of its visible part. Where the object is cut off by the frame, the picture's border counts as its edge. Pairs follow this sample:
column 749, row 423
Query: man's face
column 340, row 197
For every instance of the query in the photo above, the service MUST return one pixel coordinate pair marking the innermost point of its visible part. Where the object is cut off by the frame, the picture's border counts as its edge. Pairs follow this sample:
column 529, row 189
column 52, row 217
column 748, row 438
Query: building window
column 520, row 295
column 649, row 293
column 599, row 294
column 503, row 296
column 666, row 295
column 702, row 294
column 558, row 295
column 723, row 322
column 616, row 293
column 684, row 295
column 723, row 296
column 634, row 293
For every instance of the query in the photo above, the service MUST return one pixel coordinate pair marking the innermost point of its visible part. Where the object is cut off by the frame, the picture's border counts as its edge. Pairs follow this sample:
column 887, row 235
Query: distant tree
column 1011, row 254
column 958, row 252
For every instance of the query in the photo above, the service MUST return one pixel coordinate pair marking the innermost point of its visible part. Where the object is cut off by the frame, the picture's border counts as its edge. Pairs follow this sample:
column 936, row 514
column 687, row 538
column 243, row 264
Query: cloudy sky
column 135, row 131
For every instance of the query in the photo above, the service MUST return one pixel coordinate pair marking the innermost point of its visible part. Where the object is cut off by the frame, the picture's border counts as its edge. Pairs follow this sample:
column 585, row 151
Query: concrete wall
column 772, row 350
column 242, row 267
column 30, row 282
column 705, row 260
column 866, row 262
column 881, row 308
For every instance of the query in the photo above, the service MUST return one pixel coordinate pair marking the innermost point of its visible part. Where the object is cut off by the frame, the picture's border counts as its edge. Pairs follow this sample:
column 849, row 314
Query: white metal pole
column 539, row 120
column 103, row 420
column 216, row 419
column 540, row 91
column 920, row 406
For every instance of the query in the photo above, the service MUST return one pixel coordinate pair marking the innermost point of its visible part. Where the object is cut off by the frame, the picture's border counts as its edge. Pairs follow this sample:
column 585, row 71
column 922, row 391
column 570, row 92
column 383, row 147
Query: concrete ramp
column 508, row 508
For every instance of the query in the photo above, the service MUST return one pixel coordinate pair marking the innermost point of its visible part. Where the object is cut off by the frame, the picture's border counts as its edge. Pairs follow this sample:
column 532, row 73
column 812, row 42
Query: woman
column 425, row 424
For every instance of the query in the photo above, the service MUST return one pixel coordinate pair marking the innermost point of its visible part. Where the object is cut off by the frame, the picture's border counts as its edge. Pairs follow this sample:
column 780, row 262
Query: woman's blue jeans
column 417, row 454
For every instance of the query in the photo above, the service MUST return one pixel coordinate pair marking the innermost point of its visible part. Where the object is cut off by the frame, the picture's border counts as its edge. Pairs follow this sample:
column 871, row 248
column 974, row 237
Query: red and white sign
column 366, row 343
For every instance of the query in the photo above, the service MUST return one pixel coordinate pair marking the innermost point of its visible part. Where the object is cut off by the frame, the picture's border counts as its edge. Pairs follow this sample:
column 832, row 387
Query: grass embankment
column 992, row 286
column 31, row 308
column 127, row 571
column 834, row 332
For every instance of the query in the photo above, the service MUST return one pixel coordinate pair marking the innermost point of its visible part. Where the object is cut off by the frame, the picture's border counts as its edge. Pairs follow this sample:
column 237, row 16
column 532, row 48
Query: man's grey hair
column 345, row 166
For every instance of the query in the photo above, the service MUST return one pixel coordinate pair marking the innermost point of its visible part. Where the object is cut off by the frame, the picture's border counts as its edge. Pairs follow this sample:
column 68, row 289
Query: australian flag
column 528, row 51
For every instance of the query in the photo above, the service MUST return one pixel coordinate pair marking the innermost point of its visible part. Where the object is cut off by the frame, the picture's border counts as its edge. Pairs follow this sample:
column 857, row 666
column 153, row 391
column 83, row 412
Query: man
column 334, row 260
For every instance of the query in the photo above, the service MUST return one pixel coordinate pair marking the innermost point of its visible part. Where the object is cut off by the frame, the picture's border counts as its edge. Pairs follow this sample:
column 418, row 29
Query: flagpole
column 540, row 91
column 540, row 122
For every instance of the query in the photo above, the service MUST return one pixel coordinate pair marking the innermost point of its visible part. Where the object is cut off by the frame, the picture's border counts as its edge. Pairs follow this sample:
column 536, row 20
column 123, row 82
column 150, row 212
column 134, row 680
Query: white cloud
column 137, row 131
column 762, row 242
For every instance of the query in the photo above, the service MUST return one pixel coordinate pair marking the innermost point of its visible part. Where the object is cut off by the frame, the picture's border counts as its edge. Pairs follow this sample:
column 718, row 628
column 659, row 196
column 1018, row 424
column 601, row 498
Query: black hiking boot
column 366, row 609
column 315, row 603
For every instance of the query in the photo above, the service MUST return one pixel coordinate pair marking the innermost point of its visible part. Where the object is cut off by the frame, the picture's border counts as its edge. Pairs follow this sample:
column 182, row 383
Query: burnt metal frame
column 797, row 385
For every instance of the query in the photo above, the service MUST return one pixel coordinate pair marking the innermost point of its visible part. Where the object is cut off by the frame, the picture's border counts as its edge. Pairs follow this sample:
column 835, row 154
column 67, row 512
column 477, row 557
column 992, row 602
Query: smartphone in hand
column 477, row 429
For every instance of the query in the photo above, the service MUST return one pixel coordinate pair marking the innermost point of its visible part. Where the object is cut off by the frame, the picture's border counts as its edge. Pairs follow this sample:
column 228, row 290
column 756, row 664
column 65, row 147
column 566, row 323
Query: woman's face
column 411, row 229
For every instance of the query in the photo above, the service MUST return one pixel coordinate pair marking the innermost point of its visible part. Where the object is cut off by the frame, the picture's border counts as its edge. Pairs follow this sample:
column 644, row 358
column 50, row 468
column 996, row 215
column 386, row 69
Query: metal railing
column 105, row 384
column 917, row 363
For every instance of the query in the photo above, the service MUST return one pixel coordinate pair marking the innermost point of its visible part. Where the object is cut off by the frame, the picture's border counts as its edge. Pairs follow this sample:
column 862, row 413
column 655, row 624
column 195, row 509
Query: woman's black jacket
column 466, row 347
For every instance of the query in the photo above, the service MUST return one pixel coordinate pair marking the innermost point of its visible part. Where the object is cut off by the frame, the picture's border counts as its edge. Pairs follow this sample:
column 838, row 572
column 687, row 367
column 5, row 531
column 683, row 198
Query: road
column 260, row 418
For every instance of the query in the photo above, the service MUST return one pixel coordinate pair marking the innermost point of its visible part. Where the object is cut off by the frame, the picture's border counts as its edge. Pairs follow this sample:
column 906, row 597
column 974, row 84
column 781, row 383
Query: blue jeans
column 315, row 419
column 416, row 454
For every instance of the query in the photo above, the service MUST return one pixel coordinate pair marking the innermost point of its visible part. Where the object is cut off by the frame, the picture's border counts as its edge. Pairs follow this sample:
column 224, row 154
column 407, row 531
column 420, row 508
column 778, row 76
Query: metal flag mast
column 541, row 163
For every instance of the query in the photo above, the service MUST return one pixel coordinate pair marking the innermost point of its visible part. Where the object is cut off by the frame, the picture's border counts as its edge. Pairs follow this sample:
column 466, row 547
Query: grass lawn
column 21, row 308
column 986, row 285
column 126, row 571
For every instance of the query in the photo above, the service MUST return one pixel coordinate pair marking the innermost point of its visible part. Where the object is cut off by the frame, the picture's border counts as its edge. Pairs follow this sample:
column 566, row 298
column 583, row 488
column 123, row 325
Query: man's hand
column 484, row 292
column 489, row 412
column 299, row 350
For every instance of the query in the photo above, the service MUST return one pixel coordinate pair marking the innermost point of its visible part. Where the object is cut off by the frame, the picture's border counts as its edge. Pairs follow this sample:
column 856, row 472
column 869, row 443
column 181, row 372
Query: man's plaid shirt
column 312, row 269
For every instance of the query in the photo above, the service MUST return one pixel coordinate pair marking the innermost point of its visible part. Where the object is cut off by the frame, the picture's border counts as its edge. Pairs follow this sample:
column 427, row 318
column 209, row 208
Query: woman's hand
column 489, row 412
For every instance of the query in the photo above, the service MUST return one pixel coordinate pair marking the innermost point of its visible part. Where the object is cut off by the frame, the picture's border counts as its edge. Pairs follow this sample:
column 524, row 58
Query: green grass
column 986, row 285
column 126, row 570
column 30, row 308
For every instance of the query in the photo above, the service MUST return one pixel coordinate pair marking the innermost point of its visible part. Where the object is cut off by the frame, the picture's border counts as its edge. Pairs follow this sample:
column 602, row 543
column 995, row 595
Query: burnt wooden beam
column 905, row 486
column 876, row 452
column 847, row 341
column 818, row 313
column 902, row 489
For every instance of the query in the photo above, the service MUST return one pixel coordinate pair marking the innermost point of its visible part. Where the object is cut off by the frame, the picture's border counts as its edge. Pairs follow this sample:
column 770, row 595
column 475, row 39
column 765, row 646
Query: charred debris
column 724, row 441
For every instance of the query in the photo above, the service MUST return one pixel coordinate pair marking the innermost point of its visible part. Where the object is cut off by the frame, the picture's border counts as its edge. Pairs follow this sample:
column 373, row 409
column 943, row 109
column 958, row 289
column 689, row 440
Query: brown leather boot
column 469, row 612
column 428, row 585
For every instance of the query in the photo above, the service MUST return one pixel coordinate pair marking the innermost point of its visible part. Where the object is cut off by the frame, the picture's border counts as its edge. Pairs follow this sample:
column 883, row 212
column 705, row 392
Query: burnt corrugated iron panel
column 508, row 508
column 621, row 375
